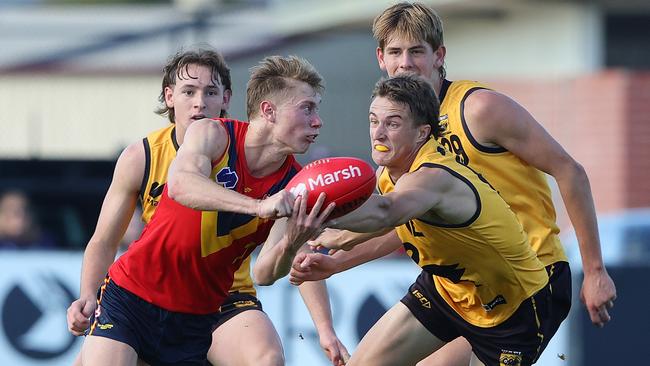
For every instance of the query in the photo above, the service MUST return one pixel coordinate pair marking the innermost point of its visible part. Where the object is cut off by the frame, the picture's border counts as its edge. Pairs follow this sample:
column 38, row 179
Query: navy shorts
column 159, row 337
column 519, row 340
column 236, row 303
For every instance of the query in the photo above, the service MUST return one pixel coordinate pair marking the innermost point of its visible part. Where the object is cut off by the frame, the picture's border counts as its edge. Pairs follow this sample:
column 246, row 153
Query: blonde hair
column 412, row 21
column 274, row 74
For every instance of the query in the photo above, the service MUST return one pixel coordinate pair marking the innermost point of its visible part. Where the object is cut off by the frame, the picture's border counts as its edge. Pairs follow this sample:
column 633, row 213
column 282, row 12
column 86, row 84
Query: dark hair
column 414, row 92
column 177, row 66
column 273, row 75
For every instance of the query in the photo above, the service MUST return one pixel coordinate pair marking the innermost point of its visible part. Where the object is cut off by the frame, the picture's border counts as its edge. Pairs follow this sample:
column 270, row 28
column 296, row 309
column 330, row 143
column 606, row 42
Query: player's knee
column 271, row 357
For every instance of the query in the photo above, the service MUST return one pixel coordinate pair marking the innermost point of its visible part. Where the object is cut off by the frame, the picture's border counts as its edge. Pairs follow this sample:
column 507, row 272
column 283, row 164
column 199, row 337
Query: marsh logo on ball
column 347, row 182
column 322, row 180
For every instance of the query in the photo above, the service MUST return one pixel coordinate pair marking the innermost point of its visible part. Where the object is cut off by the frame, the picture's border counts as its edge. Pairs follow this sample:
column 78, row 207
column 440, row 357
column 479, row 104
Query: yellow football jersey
column 483, row 268
column 522, row 186
column 160, row 149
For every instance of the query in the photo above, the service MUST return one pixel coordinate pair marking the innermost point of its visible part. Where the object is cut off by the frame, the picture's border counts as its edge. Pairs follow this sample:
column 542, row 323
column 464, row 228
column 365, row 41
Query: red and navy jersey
column 185, row 259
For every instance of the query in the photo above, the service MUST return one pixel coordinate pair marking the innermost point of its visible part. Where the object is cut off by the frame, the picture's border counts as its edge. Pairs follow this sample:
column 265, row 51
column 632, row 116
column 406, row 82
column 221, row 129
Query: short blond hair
column 412, row 21
column 274, row 74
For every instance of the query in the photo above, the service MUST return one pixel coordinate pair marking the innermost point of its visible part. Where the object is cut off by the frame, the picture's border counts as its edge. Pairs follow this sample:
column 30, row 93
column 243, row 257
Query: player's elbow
column 174, row 189
column 386, row 214
column 264, row 282
column 372, row 216
column 570, row 170
column 262, row 277
column 177, row 189
column 578, row 170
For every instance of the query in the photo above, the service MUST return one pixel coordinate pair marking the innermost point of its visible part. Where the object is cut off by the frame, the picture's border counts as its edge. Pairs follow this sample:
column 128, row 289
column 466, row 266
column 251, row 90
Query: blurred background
column 79, row 80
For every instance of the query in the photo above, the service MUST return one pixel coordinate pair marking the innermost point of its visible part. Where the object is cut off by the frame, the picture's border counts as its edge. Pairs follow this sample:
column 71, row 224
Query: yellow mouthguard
column 381, row 148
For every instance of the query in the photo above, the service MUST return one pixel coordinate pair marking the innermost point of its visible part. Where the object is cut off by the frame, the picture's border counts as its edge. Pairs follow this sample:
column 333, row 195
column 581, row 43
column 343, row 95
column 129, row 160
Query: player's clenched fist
column 276, row 206
column 311, row 267
column 78, row 315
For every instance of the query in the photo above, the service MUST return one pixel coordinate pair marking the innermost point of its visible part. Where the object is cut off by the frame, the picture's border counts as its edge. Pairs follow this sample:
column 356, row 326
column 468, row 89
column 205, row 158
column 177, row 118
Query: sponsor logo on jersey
column 227, row 178
column 155, row 191
column 423, row 300
column 443, row 122
column 492, row 304
column 244, row 303
column 510, row 358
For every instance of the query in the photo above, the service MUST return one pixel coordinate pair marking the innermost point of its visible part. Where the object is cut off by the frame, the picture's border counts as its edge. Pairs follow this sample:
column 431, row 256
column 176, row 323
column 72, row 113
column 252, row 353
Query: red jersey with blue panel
column 185, row 259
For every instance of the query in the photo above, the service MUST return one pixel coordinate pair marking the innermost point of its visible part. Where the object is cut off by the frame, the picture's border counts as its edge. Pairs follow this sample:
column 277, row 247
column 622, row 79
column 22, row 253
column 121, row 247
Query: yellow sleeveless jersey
column 522, row 186
column 160, row 149
column 483, row 268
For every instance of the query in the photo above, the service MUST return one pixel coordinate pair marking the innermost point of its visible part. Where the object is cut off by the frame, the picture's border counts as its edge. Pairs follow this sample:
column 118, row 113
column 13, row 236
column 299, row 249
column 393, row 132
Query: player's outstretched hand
column 311, row 267
column 78, row 315
column 330, row 239
column 302, row 225
column 276, row 206
column 334, row 349
column 598, row 294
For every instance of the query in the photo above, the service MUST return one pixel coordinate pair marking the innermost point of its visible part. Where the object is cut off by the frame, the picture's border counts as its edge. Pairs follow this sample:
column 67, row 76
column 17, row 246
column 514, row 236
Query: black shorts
column 237, row 303
column 158, row 336
column 519, row 340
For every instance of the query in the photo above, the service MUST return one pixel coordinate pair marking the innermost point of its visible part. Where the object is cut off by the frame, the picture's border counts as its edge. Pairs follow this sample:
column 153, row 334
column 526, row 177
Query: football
column 346, row 181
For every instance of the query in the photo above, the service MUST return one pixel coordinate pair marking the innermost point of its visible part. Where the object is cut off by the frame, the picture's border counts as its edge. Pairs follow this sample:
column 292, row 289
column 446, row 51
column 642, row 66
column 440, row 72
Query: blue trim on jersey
column 228, row 221
column 232, row 150
column 277, row 187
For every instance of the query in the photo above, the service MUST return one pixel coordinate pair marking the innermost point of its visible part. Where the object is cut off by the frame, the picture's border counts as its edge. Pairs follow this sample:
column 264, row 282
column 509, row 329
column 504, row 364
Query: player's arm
column 368, row 250
column 345, row 239
column 415, row 193
column 318, row 266
column 189, row 180
column 287, row 237
column 316, row 298
column 116, row 212
column 502, row 121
